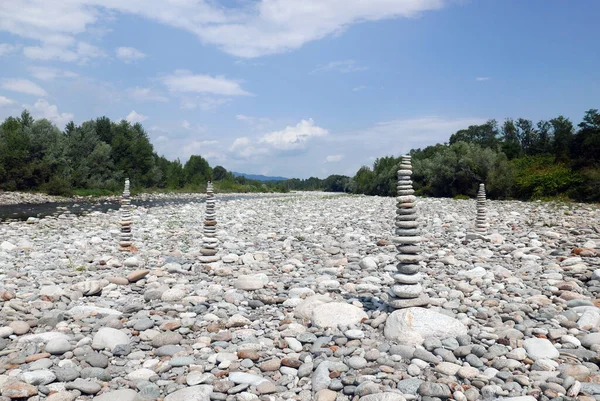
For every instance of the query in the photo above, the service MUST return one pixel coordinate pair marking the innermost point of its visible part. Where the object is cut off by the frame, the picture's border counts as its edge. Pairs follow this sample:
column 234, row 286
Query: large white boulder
column 412, row 326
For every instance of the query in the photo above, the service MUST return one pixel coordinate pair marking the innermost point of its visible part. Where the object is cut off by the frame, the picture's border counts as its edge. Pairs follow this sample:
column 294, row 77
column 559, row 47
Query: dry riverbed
column 296, row 308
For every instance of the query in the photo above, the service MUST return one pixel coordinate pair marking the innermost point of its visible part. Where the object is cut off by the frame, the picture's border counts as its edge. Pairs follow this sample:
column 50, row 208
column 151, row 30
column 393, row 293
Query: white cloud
column 146, row 94
column 129, row 54
column 196, row 146
column 240, row 143
column 23, row 86
column 85, row 51
column 186, row 81
column 82, row 52
column 293, row 137
column 482, row 79
column 257, row 123
column 4, row 101
column 401, row 135
column 275, row 26
column 135, row 117
column 243, row 117
column 185, row 124
column 7, row 48
column 359, row 88
column 255, row 29
column 43, row 109
column 333, row 158
column 49, row 53
column 161, row 139
column 243, row 148
column 50, row 73
column 205, row 103
column 344, row 66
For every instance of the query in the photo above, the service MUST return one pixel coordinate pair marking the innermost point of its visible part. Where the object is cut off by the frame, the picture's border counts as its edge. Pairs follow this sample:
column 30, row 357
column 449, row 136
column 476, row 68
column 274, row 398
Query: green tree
column 197, row 171
column 219, row 173
column 175, row 175
column 511, row 143
column 26, row 119
column 485, row 135
column 586, row 142
column 363, row 181
column 562, row 130
column 336, row 183
column 14, row 155
column 104, row 128
column 528, row 136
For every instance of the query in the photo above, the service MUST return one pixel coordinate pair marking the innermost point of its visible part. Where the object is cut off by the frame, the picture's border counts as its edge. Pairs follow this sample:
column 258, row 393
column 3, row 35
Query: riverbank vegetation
column 94, row 158
column 516, row 160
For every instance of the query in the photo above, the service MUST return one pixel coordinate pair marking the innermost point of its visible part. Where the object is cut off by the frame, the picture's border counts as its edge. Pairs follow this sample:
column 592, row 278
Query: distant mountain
column 258, row 177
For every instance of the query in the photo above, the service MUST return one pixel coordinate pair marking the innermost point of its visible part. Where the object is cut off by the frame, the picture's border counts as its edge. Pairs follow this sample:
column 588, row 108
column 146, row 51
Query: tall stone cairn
column 209, row 241
column 125, row 236
column 407, row 291
column 481, row 221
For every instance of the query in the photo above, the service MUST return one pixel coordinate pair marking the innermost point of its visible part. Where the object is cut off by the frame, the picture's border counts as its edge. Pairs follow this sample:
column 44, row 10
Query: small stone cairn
column 407, row 291
column 481, row 221
column 125, row 237
column 209, row 241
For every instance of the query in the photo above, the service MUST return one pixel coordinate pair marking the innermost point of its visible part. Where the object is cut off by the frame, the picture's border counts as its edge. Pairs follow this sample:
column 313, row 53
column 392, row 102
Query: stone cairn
column 125, row 237
column 481, row 222
column 209, row 241
column 407, row 291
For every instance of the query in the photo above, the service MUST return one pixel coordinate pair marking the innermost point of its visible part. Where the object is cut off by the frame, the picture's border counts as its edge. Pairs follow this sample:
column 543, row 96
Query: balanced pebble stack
column 407, row 291
column 481, row 221
column 125, row 237
column 209, row 241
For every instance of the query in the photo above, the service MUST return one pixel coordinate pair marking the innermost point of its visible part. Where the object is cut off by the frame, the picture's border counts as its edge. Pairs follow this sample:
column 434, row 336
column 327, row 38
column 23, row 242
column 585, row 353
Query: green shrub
column 541, row 177
column 58, row 185
column 461, row 197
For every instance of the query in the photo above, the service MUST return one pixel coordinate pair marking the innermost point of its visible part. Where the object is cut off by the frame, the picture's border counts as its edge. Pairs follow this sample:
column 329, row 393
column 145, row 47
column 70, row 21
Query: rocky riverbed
column 296, row 308
column 33, row 198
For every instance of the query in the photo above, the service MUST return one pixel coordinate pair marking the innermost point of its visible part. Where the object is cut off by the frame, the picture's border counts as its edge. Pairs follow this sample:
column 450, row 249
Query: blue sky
column 298, row 88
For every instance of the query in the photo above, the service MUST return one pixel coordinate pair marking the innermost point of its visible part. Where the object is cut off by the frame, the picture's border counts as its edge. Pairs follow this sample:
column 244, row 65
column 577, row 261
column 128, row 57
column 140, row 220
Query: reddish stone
column 19, row 390
column 291, row 362
column 248, row 354
column 36, row 357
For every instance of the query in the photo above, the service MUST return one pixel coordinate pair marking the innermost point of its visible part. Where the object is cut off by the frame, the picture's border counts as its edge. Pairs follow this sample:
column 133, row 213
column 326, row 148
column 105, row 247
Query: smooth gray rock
column 109, row 338
column 194, row 393
column 119, row 395
column 333, row 314
column 58, row 346
column 413, row 325
column 540, row 348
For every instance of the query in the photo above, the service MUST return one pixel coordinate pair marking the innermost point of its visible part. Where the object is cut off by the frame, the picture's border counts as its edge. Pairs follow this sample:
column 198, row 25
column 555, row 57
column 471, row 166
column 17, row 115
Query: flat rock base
column 209, row 259
column 398, row 303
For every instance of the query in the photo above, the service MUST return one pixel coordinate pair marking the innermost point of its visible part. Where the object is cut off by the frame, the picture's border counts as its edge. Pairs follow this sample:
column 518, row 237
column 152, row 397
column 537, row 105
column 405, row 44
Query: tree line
column 95, row 158
column 516, row 160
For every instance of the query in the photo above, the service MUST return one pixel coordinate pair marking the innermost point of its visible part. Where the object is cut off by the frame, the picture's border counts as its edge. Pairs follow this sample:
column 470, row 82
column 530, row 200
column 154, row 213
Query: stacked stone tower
column 407, row 291
column 125, row 237
column 481, row 222
column 209, row 241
